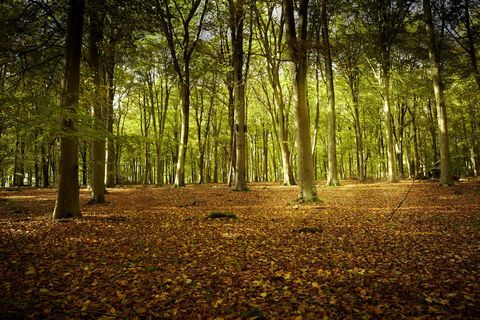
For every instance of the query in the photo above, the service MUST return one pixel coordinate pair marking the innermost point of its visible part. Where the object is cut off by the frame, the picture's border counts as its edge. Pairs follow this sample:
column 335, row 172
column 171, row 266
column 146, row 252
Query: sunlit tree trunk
column 298, row 53
column 354, row 83
column 187, row 46
column 445, row 175
column 332, row 178
column 67, row 203
column 391, row 173
column 272, row 45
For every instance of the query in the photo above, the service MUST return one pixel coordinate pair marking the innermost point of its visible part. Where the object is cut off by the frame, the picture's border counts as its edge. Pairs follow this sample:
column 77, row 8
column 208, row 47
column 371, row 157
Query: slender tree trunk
column 391, row 174
column 332, row 178
column 184, row 89
column 236, row 29
column 354, row 82
column 110, row 165
column 298, row 52
column 415, row 138
column 98, row 108
column 445, row 175
column 67, row 203
column 45, row 171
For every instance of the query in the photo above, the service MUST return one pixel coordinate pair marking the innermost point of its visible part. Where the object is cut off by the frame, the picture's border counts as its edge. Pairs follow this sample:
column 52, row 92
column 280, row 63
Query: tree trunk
column 391, row 174
column 332, row 178
column 97, row 180
column 416, row 155
column 298, row 54
column 236, row 29
column 67, row 203
column 354, row 82
column 445, row 175
column 184, row 89
column 472, row 52
column 45, row 172
column 110, row 165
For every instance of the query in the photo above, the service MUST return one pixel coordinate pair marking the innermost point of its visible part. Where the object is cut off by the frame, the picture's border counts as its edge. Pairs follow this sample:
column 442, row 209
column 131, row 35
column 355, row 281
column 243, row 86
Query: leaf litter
column 154, row 253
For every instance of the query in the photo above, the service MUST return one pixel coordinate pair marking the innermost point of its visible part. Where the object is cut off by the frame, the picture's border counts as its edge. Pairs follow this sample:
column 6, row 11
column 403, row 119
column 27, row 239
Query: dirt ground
column 155, row 253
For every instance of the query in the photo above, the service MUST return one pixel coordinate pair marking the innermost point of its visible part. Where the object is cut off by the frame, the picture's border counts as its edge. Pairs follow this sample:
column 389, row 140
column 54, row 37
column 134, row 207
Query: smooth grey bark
column 297, row 43
column 68, row 204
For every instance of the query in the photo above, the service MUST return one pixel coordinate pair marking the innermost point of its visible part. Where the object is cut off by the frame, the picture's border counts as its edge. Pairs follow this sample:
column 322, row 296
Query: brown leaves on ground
column 154, row 253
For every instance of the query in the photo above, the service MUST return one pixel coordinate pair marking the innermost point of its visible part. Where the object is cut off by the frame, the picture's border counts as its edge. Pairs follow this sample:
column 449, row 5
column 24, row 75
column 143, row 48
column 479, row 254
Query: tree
column 332, row 179
column 181, row 55
column 99, row 100
column 386, row 20
column 236, row 28
column 270, row 34
column 297, row 43
column 67, row 204
column 433, row 52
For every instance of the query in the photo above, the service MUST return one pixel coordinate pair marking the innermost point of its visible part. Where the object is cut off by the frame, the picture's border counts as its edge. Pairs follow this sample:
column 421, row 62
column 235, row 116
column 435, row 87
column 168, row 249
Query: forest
column 254, row 159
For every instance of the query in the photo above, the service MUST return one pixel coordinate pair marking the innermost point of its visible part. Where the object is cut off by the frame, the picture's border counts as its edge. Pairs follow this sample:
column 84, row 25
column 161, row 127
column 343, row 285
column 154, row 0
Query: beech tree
column 99, row 101
column 181, row 54
column 271, row 37
column 332, row 179
column 445, row 175
column 67, row 204
column 297, row 42
column 237, row 17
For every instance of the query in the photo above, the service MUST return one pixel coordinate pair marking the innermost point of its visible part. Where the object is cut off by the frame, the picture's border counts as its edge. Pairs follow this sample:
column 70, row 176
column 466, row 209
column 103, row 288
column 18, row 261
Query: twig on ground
column 401, row 202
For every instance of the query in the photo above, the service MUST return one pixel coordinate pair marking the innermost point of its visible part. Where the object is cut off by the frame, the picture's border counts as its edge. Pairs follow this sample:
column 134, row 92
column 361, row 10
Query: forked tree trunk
column 298, row 53
column 68, row 204
column 183, row 72
column 445, row 175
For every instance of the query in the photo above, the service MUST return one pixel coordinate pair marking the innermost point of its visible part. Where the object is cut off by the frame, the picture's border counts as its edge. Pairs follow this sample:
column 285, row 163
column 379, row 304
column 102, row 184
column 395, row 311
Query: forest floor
column 154, row 253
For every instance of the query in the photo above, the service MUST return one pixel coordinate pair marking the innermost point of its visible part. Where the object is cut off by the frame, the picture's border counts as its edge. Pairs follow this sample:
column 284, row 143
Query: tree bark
column 67, row 203
column 298, row 54
column 445, row 175
column 332, row 178
column 110, row 165
column 97, row 179
column 236, row 29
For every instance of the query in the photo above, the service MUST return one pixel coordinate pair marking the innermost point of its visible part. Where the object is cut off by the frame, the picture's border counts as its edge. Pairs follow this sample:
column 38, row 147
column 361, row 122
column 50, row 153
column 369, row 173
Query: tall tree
column 332, row 178
column 181, row 57
column 270, row 34
column 67, row 204
column 237, row 16
column 96, row 27
column 433, row 52
column 297, row 43
column 386, row 19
